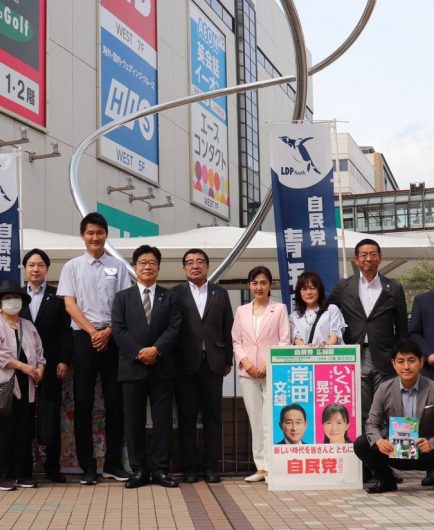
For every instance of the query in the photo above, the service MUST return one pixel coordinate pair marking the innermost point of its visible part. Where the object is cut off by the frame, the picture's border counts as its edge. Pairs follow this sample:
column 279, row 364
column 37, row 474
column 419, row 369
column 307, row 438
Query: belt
column 365, row 345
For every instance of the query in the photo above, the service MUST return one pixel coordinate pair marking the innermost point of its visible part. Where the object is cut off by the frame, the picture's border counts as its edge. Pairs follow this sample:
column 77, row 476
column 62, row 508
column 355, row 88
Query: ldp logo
column 8, row 182
column 300, row 162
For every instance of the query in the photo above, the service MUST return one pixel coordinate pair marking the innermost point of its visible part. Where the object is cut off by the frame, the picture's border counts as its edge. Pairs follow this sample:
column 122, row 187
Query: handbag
column 7, row 388
column 6, row 395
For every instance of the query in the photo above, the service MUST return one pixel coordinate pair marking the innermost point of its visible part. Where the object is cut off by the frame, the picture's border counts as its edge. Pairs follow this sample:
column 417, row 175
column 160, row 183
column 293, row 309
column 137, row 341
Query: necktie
column 147, row 304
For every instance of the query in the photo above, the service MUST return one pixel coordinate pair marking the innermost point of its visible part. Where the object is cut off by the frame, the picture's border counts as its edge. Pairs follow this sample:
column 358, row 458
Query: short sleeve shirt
column 93, row 283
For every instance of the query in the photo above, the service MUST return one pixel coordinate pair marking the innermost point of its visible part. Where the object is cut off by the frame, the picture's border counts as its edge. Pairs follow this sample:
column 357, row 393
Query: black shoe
column 164, row 480
column 88, row 478
column 25, row 483
column 6, row 484
column 212, row 477
column 190, row 477
column 429, row 479
column 115, row 472
column 55, row 476
column 383, row 486
column 139, row 479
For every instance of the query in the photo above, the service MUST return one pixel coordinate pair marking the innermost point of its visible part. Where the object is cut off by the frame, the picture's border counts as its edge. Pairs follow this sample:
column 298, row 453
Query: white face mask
column 11, row 306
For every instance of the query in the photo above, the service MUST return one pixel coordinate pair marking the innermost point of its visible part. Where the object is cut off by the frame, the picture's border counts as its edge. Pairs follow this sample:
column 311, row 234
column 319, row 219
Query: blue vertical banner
column 302, row 184
column 9, row 218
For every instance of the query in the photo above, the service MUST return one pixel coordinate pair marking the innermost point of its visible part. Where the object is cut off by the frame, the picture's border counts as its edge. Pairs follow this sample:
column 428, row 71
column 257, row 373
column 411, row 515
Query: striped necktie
column 147, row 304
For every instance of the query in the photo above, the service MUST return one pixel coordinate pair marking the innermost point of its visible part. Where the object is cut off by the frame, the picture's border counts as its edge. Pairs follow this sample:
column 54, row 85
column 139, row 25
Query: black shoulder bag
column 312, row 331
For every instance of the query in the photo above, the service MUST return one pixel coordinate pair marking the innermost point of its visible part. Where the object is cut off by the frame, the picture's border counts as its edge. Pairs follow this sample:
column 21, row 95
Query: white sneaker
column 257, row 477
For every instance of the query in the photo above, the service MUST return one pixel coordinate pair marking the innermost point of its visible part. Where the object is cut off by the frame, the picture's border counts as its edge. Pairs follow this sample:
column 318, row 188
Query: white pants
column 254, row 394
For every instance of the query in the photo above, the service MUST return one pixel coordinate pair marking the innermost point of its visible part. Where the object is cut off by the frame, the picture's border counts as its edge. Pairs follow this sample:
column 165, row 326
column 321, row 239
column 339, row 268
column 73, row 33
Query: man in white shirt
column 375, row 311
column 88, row 285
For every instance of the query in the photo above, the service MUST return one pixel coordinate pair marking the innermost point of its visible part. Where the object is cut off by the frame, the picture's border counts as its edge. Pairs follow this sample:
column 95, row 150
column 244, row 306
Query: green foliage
column 418, row 280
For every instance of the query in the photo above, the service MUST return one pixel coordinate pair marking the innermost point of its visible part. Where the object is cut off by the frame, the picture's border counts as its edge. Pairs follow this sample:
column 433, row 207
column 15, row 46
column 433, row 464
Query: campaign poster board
column 9, row 216
column 23, row 60
column 306, row 454
column 128, row 82
column 303, row 201
column 209, row 118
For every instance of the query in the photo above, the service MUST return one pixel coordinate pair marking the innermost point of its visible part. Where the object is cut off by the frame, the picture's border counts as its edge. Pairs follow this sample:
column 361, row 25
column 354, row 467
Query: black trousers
column 382, row 464
column 135, row 397
column 49, row 404
column 16, row 433
column 87, row 364
column 202, row 390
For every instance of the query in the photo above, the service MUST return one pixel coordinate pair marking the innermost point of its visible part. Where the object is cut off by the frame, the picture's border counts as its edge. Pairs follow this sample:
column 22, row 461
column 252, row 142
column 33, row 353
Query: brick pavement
column 233, row 504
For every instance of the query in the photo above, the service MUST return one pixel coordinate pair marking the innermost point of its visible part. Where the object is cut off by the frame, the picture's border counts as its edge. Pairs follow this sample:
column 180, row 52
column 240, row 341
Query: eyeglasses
column 146, row 263
column 306, row 289
column 365, row 255
column 191, row 262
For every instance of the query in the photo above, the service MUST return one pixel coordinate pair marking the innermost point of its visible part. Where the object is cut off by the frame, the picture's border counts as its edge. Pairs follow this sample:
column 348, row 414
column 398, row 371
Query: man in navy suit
column 146, row 321
column 421, row 330
column 48, row 314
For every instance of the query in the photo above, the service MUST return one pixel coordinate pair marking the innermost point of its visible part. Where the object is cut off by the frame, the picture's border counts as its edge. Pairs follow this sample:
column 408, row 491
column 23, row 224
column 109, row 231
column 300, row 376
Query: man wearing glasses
column 146, row 320
column 205, row 357
column 375, row 311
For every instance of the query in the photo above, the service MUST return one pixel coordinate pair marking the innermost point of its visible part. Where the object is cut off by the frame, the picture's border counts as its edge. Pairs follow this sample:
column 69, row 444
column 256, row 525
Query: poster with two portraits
column 314, row 417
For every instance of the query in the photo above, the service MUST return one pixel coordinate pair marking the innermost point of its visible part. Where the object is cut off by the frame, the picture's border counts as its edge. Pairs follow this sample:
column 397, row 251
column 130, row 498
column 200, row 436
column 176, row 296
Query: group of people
column 146, row 341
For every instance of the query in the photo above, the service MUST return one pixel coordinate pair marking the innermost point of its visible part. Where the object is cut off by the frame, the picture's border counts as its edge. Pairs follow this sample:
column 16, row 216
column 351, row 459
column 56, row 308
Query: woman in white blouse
column 312, row 312
column 257, row 326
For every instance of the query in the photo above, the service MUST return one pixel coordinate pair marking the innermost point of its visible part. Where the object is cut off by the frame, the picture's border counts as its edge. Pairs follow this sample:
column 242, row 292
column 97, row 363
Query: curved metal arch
column 298, row 110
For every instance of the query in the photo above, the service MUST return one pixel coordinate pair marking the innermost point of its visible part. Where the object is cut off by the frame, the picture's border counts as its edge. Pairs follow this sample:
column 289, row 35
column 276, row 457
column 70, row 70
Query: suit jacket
column 53, row 325
column 421, row 327
column 386, row 324
column 132, row 332
column 213, row 330
column 387, row 402
column 273, row 331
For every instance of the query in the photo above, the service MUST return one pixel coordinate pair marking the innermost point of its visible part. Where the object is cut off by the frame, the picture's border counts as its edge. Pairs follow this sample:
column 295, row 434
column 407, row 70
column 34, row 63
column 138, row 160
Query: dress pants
column 382, row 464
column 135, row 397
column 371, row 380
column 201, row 390
column 16, row 433
column 87, row 363
column 254, row 395
column 50, row 400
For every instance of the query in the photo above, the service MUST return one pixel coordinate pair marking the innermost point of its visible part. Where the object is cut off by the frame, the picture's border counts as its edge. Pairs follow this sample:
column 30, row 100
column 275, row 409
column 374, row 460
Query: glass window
column 402, row 215
column 416, row 220
column 362, row 219
column 343, row 164
column 374, row 217
column 429, row 214
column 388, row 217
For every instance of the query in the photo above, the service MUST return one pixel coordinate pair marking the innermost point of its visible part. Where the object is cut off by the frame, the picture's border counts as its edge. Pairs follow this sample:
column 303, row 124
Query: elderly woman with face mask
column 21, row 357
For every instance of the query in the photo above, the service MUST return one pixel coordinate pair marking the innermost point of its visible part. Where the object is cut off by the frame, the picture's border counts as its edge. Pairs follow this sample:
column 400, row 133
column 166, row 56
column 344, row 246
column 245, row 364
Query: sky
column 383, row 86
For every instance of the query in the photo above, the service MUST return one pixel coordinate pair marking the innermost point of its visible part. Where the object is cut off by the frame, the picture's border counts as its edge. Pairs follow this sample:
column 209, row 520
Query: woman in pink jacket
column 257, row 326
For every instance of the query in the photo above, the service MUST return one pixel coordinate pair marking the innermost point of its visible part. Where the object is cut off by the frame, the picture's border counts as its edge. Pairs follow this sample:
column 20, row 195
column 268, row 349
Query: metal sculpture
column 301, row 79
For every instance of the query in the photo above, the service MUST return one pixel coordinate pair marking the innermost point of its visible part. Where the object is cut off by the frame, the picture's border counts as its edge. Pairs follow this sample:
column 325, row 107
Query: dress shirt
column 37, row 297
column 93, row 283
column 151, row 292
column 368, row 294
column 409, row 399
column 200, row 295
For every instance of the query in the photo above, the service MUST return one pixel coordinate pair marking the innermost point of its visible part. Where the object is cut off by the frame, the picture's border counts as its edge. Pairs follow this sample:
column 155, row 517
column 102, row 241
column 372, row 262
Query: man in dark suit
column 205, row 357
column 47, row 312
column 146, row 321
column 375, row 311
column 421, row 330
column 411, row 395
